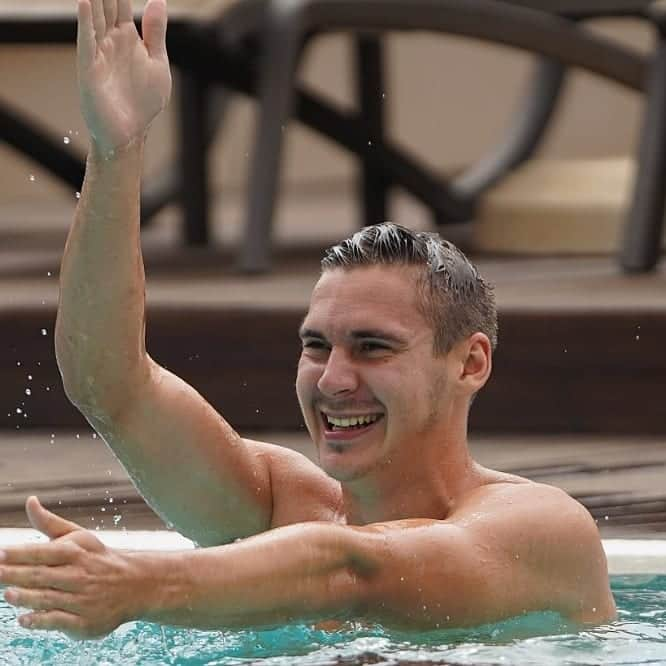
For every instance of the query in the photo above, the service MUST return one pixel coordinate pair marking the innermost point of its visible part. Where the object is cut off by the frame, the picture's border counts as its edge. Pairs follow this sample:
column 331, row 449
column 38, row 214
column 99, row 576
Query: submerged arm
column 415, row 573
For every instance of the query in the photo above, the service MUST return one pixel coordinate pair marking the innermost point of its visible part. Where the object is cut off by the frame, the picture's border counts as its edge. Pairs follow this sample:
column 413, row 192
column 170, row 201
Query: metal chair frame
column 224, row 53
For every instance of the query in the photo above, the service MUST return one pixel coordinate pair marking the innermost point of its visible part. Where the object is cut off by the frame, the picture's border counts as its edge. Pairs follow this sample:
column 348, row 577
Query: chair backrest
column 586, row 8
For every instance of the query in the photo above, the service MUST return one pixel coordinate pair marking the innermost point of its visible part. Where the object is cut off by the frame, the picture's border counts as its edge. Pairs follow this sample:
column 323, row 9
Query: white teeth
column 352, row 420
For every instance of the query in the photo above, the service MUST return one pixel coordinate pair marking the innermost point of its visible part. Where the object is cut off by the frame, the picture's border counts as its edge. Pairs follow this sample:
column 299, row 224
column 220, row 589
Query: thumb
column 153, row 27
column 46, row 522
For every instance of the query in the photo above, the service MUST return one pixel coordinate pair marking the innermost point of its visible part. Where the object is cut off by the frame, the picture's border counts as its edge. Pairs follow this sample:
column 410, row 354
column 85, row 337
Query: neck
column 427, row 485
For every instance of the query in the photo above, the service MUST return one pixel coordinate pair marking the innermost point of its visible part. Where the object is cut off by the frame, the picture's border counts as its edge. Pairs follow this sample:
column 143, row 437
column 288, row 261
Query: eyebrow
column 361, row 334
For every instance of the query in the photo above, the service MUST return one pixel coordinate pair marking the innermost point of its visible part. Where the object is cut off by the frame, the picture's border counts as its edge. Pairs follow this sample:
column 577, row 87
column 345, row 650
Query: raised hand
column 124, row 81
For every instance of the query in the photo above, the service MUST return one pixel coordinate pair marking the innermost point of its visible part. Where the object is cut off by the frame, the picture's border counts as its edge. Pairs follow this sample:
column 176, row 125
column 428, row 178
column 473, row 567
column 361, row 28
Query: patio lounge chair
column 551, row 29
column 253, row 46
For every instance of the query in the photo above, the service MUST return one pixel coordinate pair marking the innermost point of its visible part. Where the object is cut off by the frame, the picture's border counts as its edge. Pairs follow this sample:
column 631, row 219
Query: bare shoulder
column 302, row 491
column 551, row 533
column 526, row 511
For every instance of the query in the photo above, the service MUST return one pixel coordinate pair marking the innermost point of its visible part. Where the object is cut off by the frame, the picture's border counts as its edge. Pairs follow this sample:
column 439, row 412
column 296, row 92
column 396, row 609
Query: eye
column 369, row 346
column 315, row 345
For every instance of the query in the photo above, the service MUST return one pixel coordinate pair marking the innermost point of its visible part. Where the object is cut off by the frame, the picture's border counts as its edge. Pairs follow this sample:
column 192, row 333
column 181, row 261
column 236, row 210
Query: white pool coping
column 625, row 556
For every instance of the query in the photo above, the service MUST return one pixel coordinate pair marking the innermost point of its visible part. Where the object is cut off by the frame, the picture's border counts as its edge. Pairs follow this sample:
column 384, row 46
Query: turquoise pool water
column 637, row 637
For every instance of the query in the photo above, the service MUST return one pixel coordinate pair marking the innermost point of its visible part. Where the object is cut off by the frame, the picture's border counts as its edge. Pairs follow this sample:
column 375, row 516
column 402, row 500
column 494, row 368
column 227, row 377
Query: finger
column 85, row 39
column 110, row 13
column 125, row 13
column 46, row 521
column 41, row 599
column 38, row 577
column 49, row 554
column 55, row 620
column 154, row 26
column 98, row 19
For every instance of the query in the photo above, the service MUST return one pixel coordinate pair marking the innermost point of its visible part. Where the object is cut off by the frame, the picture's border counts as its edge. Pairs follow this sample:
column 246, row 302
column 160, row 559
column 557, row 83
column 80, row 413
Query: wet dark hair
column 454, row 298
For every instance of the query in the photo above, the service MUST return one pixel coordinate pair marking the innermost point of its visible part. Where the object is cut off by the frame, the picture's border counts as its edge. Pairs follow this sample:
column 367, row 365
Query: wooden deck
column 620, row 480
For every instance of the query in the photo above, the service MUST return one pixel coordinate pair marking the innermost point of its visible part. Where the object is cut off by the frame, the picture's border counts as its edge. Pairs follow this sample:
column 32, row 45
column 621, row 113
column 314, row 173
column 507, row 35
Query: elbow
column 100, row 401
column 363, row 574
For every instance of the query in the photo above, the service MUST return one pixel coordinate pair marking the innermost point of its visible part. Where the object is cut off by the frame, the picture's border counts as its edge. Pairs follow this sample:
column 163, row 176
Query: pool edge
column 625, row 556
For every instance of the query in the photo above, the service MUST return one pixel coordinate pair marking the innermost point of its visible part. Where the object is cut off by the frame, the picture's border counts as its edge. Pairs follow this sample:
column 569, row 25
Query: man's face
column 369, row 386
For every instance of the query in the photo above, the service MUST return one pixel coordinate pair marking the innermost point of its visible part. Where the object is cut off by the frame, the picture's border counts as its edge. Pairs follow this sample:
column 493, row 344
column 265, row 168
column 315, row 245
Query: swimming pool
column 638, row 570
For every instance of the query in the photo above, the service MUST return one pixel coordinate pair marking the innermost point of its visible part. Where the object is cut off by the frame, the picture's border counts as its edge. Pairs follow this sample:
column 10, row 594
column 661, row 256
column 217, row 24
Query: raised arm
column 124, row 84
column 189, row 464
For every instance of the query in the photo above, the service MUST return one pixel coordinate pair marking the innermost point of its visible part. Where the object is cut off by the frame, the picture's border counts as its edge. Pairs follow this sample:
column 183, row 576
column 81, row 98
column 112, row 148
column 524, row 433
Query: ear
column 476, row 362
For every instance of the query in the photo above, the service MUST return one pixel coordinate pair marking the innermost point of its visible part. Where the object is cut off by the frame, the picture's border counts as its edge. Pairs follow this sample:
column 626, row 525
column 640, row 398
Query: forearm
column 100, row 324
column 303, row 572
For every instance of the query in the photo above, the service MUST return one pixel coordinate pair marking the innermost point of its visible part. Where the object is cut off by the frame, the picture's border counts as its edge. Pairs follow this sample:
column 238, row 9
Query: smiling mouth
column 349, row 424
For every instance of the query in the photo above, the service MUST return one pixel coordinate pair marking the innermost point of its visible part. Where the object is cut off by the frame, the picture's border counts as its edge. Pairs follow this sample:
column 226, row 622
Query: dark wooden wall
column 558, row 371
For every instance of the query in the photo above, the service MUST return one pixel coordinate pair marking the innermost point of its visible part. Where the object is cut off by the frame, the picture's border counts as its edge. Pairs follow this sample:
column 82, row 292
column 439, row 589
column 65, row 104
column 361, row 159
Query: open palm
column 124, row 81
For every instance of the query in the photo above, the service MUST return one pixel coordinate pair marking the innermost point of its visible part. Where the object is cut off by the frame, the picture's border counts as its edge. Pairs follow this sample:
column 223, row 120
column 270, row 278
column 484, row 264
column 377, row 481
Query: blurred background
column 577, row 396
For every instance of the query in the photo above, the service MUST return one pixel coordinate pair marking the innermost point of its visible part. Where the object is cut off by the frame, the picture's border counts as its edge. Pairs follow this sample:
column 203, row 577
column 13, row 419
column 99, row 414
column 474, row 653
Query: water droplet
column 78, row 436
column 31, row 178
column 29, row 378
column 117, row 519
column 66, row 140
column 78, row 195
column 594, row 610
column 43, row 331
column 638, row 337
column 19, row 410
column 94, row 435
column 48, row 388
column 605, row 517
column 28, row 392
column 18, row 363
column 48, row 273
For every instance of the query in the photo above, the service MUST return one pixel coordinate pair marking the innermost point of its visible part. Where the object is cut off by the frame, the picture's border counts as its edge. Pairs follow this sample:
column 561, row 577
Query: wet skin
column 368, row 350
column 398, row 525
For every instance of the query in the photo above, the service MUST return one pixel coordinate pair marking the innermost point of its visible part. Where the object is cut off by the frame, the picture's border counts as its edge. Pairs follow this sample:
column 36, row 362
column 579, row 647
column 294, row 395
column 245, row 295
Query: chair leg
column 282, row 43
column 165, row 187
column 193, row 157
column 370, row 89
column 529, row 124
column 642, row 235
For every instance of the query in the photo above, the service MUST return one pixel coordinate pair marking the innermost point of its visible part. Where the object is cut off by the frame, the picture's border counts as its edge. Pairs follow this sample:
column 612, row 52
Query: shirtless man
column 398, row 525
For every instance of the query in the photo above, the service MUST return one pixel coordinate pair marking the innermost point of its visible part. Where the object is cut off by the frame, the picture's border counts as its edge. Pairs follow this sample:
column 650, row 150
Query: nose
column 339, row 376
